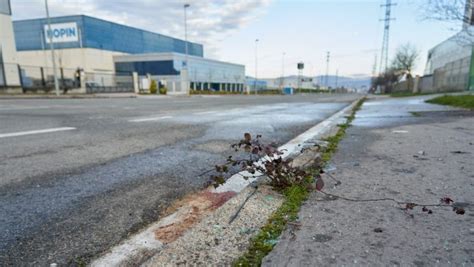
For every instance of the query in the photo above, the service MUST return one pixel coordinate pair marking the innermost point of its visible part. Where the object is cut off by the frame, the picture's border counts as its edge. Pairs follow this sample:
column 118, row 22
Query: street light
column 256, row 65
column 185, row 6
column 186, row 33
column 51, row 46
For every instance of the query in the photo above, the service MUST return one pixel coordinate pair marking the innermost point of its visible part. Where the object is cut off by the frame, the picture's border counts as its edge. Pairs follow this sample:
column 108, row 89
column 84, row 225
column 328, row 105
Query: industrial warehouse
column 103, row 56
column 450, row 64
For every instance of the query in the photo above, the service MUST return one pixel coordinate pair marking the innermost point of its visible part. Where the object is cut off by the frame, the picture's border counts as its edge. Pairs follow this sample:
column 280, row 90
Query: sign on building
column 62, row 32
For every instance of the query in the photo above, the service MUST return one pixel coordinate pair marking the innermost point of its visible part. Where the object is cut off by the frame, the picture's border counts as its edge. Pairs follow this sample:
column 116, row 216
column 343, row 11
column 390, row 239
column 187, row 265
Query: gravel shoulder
column 419, row 158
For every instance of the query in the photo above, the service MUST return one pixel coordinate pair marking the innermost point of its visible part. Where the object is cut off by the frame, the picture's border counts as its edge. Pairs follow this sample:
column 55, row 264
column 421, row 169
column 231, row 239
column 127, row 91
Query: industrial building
column 9, row 74
column 106, row 54
column 449, row 66
column 89, row 43
column 202, row 73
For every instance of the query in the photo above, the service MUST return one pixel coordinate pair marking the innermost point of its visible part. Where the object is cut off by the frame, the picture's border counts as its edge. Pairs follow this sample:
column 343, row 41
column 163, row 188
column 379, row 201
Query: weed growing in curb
column 263, row 243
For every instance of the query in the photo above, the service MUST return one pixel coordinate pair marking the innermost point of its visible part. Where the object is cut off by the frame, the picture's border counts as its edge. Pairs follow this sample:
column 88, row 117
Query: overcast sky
column 303, row 29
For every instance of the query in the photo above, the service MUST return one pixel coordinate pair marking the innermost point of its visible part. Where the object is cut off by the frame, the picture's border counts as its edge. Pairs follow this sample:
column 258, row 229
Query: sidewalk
column 390, row 152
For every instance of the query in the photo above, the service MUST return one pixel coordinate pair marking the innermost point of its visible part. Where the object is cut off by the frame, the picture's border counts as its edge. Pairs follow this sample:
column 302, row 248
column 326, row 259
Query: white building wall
column 453, row 49
column 8, row 48
column 90, row 59
column 201, row 70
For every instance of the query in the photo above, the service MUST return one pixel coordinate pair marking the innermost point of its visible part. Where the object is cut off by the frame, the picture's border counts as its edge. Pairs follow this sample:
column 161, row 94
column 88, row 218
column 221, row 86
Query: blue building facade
column 89, row 32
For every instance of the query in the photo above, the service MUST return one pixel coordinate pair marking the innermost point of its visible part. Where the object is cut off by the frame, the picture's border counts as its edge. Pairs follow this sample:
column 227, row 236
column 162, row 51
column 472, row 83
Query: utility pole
column 51, row 46
column 337, row 77
column 256, row 65
column 374, row 67
column 328, row 58
column 283, row 70
column 386, row 35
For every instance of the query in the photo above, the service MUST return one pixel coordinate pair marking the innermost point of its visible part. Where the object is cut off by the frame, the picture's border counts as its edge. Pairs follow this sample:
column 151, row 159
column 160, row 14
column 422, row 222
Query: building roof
column 99, row 34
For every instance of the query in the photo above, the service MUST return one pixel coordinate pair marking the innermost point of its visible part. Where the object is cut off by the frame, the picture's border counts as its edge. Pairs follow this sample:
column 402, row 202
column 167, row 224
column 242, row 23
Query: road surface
column 79, row 175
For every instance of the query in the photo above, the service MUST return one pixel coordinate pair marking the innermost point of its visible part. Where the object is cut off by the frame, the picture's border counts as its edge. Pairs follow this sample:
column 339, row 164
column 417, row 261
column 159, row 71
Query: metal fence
column 105, row 82
column 33, row 78
column 41, row 79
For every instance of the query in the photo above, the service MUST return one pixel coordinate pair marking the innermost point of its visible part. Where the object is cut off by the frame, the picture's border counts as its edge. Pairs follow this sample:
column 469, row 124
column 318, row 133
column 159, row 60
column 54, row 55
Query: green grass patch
column 463, row 101
column 263, row 243
column 265, row 240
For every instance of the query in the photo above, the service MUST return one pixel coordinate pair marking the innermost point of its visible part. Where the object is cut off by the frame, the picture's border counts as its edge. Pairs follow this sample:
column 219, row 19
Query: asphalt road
column 79, row 175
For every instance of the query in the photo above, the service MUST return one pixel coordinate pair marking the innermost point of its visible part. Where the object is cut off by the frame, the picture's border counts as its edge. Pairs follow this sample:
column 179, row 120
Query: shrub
column 153, row 87
column 163, row 90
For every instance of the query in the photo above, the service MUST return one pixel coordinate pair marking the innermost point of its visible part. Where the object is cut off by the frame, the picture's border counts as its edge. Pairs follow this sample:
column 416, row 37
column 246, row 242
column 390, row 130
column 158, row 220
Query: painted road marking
column 151, row 119
column 51, row 130
column 13, row 108
column 205, row 112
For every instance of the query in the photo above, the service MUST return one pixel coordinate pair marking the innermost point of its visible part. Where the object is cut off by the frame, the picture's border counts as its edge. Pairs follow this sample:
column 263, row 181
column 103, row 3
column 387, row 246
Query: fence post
column 19, row 76
column 136, row 87
column 82, row 77
column 43, row 82
column 416, row 84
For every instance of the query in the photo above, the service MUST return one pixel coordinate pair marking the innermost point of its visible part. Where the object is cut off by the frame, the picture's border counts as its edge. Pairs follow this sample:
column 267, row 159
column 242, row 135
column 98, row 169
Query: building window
column 164, row 67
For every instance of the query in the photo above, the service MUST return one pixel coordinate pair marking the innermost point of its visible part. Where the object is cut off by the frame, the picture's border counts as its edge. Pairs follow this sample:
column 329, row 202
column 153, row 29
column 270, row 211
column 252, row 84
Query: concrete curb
column 144, row 244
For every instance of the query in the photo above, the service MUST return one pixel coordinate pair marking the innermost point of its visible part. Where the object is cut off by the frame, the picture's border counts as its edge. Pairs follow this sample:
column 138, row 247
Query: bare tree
column 458, row 13
column 447, row 10
column 405, row 60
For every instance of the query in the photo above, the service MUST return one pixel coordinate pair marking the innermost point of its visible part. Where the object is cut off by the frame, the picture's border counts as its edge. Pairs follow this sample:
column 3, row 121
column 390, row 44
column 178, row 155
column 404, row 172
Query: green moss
column 463, row 101
column 263, row 243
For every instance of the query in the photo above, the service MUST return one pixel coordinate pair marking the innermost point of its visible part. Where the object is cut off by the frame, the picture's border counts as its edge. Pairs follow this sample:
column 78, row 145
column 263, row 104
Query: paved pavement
column 390, row 152
column 79, row 175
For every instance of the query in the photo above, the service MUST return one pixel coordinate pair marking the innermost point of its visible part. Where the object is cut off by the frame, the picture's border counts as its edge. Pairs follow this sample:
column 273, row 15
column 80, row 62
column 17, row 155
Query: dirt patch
column 191, row 210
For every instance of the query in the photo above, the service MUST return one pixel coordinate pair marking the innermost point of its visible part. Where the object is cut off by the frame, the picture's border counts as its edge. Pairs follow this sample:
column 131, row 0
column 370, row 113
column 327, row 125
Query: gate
column 97, row 82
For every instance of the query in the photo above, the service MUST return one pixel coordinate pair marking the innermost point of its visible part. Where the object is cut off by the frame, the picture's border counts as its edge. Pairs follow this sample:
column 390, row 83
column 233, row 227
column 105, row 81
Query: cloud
column 208, row 21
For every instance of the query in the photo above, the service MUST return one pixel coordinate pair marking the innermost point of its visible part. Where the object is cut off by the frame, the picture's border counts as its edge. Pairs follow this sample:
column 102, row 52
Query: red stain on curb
column 190, row 212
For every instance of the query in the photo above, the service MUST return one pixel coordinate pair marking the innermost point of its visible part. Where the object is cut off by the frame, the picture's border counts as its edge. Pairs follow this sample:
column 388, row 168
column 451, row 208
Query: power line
column 386, row 35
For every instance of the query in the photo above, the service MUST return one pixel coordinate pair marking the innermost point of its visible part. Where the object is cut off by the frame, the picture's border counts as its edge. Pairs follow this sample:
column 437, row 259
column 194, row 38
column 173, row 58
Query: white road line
column 151, row 119
column 37, row 132
column 205, row 112
column 22, row 108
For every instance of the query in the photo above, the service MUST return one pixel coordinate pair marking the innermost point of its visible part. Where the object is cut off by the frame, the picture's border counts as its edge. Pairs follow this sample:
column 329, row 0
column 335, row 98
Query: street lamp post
column 186, row 46
column 51, row 46
column 256, row 66
column 186, row 33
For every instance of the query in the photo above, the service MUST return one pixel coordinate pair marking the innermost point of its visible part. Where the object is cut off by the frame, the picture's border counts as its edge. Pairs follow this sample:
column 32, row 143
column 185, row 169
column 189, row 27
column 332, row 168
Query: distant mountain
column 357, row 82
column 348, row 82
